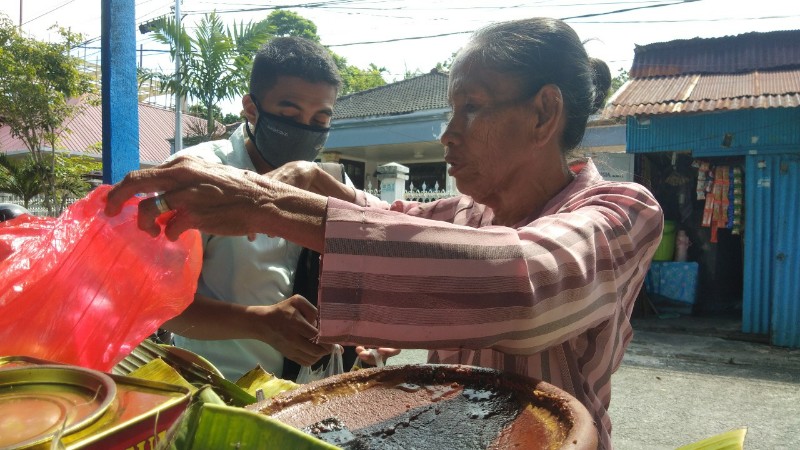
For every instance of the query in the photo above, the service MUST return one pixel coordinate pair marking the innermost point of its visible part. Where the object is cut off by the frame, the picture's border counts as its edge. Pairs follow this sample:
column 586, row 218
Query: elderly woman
column 533, row 270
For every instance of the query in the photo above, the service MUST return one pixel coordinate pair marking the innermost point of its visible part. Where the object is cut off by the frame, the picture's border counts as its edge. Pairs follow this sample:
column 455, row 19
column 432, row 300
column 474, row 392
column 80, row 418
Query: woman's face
column 487, row 140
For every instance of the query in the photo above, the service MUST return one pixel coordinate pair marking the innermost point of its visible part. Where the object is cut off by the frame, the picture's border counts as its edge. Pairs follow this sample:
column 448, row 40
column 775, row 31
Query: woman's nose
column 449, row 134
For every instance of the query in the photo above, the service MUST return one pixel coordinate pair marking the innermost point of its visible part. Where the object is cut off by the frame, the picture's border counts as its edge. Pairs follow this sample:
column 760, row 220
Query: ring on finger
column 161, row 204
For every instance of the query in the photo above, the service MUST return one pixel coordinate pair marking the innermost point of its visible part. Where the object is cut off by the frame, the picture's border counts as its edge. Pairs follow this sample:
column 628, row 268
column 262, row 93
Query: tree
column 287, row 23
column 355, row 79
column 618, row 81
column 41, row 87
column 215, row 62
column 445, row 65
column 70, row 181
column 25, row 180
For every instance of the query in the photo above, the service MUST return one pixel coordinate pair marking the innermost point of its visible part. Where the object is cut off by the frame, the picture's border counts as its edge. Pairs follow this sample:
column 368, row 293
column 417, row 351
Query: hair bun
column 601, row 76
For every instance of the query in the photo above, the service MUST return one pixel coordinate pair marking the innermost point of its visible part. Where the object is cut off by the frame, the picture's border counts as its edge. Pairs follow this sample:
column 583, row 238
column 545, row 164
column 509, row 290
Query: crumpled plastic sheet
column 85, row 288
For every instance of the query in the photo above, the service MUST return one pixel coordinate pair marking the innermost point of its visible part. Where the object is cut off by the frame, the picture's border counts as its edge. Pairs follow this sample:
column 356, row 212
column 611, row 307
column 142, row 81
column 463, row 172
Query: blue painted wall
column 771, row 302
column 775, row 130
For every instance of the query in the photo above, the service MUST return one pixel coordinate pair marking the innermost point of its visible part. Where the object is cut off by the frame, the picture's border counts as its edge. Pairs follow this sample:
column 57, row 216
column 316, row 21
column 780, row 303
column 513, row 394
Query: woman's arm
column 395, row 280
column 222, row 200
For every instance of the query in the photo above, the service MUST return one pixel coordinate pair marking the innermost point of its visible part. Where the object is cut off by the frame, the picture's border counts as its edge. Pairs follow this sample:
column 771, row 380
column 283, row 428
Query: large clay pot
column 436, row 407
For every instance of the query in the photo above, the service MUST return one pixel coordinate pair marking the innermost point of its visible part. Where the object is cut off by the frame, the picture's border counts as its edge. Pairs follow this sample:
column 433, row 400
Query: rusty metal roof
column 752, row 70
column 728, row 54
column 156, row 127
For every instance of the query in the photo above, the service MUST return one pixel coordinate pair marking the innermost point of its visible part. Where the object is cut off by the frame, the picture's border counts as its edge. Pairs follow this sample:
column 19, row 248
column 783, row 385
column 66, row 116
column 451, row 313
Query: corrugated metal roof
column 729, row 54
column 156, row 127
column 421, row 93
column 706, row 92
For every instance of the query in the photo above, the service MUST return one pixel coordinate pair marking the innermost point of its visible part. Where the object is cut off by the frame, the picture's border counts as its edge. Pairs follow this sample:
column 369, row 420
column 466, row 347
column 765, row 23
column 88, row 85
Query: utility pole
column 178, row 124
column 20, row 14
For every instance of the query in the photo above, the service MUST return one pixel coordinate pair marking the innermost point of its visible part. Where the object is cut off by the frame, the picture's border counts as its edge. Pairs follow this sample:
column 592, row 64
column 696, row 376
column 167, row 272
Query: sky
column 414, row 35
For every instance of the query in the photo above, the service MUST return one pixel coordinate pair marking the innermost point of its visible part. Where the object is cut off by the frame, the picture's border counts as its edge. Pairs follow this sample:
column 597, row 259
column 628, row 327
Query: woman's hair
column 294, row 57
column 540, row 51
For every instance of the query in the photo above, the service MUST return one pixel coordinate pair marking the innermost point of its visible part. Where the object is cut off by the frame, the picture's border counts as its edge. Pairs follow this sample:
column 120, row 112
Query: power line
column 471, row 31
column 48, row 12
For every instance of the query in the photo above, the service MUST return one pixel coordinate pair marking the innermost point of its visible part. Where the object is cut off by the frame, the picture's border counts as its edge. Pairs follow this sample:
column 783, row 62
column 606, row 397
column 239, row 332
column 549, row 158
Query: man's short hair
column 294, row 57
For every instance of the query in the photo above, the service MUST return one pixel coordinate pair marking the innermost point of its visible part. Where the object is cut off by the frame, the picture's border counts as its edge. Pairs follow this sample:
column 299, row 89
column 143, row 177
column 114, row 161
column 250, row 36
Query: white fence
column 35, row 206
column 422, row 195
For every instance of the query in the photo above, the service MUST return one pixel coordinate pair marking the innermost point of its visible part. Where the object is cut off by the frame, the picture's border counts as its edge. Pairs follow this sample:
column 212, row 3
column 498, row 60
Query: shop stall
column 714, row 124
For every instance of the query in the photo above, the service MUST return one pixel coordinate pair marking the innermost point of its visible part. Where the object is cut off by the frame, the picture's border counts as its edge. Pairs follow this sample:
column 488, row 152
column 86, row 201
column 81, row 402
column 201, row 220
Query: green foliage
column 25, row 180
column 445, row 65
column 200, row 110
column 229, row 118
column 355, row 79
column 41, row 87
column 39, row 82
column 287, row 23
column 215, row 61
column 618, row 81
column 69, row 178
column 29, row 178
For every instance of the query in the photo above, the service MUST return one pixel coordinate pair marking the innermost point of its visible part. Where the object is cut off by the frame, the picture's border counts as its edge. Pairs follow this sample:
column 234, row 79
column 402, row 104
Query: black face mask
column 280, row 140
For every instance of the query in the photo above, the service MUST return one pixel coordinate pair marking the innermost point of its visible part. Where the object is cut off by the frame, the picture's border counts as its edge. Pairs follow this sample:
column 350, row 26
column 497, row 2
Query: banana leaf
column 208, row 425
column 730, row 440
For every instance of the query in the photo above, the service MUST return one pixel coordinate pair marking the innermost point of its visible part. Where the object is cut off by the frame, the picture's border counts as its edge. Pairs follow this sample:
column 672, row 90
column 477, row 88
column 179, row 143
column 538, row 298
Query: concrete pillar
column 120, row 99
column 332, row 157
column 393, row 178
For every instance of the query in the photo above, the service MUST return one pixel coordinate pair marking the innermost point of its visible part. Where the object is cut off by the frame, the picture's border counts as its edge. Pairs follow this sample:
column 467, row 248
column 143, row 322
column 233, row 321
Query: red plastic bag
column 85, row 288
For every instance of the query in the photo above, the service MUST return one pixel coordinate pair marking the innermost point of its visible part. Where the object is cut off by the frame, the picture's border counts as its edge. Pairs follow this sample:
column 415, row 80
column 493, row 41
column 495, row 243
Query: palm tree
column 26, row 180
column 215, row 62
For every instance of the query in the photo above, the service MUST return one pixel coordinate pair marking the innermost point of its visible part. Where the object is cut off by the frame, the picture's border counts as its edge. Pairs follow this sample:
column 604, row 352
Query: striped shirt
column 550, row 298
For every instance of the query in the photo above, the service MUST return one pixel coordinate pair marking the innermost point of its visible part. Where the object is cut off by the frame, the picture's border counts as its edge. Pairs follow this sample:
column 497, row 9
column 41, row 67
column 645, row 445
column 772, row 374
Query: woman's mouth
column 452, row 169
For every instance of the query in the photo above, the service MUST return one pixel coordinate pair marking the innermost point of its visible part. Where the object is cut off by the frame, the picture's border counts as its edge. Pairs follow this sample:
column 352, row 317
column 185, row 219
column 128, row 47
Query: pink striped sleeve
column 447, row 280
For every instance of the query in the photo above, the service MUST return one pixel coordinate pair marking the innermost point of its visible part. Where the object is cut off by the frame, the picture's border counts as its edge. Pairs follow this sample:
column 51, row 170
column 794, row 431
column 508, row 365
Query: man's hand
column 288, row 327
column 309, row 176
column 368, row 354
column 300, row 174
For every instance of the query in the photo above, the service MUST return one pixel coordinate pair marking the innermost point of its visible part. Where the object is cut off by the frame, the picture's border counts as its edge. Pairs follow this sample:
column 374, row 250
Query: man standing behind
column 242, row 314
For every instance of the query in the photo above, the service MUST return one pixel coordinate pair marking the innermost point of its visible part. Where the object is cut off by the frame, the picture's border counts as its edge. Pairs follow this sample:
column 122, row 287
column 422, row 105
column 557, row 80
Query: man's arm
column 286, row 326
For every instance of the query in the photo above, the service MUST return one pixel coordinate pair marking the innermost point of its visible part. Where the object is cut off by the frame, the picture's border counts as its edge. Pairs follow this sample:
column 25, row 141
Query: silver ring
column 161, row 204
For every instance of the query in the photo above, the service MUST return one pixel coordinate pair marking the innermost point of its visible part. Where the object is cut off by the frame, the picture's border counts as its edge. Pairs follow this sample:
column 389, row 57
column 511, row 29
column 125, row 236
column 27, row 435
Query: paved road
column 675, row 389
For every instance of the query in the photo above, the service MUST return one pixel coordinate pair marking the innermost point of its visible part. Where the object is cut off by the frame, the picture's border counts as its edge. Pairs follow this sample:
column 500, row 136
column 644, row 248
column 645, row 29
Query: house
column 715, row 126
column 85, row 135
column 401, row 122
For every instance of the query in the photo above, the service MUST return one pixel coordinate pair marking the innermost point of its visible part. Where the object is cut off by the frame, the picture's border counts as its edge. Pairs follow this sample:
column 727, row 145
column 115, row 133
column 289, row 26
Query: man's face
column 292, row 97
column 290, row 122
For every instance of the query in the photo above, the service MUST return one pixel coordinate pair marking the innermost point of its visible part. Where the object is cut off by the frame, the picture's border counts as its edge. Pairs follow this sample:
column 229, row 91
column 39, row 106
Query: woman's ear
column 250, row 111
column 548, row 107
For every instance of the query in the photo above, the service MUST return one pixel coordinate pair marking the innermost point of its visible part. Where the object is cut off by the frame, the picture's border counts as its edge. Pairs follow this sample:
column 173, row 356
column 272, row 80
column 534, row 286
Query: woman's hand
column 215, row 198
column 221, row 200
